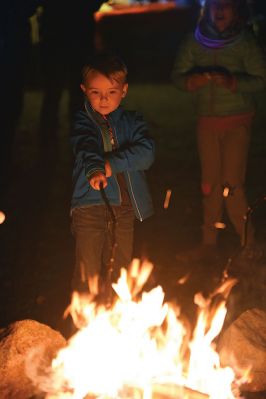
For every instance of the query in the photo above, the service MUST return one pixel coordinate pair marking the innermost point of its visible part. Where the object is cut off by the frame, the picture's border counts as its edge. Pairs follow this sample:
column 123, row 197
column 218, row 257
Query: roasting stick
column 110, row 265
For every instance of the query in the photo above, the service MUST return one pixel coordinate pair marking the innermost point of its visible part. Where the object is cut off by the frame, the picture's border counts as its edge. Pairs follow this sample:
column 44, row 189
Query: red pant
column 223, row 157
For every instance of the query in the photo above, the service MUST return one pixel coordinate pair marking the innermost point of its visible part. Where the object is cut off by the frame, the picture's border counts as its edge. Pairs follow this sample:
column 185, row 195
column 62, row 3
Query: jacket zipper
column 96, row 124
column 116, row 145
column 120, row 198
column 129, row 180
column 136, row 205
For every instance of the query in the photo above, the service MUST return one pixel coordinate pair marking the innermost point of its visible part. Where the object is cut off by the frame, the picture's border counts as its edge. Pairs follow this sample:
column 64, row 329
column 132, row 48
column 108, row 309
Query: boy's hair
column 111, row 66
column 240, row 6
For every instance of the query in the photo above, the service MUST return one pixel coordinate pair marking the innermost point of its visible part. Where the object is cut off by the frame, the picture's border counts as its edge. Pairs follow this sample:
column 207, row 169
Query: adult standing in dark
column 15, row 42
column 67, row 38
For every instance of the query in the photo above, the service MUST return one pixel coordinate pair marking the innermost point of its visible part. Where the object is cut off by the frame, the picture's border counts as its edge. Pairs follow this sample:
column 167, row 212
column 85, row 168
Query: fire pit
column 140, row 347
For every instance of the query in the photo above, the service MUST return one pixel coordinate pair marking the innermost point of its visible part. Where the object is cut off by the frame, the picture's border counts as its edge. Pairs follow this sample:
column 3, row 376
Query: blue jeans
column 92, row 229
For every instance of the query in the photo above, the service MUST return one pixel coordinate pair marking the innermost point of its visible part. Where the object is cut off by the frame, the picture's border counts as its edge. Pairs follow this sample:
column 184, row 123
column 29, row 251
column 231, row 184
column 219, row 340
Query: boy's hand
column 224, row 80
column 108, row 169
column 96, row 179
column 197, row 80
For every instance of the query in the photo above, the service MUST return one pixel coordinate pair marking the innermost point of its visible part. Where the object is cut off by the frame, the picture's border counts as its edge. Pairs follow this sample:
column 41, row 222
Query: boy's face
column 104, row 95
column 222, row 14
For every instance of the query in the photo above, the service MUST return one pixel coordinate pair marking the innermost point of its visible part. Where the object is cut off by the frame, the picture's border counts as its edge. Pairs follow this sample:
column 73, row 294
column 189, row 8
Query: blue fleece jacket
column 134, row 155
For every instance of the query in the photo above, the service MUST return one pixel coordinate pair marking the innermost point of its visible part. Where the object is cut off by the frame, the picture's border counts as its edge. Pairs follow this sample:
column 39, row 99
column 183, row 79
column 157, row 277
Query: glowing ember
column 140, row 348
column 219, row 225
column 183, row 279
column 2, row 217
column 167, row 199
column 226, row 192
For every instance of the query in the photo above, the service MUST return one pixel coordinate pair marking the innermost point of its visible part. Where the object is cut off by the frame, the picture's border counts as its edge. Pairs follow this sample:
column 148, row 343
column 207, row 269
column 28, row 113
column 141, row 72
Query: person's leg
column 209, row 148
column 124, row 233
column 90, row 228
column 236, row 145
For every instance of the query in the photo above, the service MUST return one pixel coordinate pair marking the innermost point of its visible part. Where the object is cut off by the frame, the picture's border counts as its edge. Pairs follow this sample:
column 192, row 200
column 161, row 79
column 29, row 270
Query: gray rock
column 18, row 342
column 244, row 341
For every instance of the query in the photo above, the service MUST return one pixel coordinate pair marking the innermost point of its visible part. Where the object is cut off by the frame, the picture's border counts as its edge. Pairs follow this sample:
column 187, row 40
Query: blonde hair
column 111, row 66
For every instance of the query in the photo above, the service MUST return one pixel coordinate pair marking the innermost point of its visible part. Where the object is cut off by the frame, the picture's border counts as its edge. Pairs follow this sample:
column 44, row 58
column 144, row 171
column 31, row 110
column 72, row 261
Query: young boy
column 112, row 150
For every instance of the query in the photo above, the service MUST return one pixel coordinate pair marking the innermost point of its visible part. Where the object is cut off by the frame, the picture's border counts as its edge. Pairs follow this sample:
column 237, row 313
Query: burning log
column 162, row 391
column 176, row 392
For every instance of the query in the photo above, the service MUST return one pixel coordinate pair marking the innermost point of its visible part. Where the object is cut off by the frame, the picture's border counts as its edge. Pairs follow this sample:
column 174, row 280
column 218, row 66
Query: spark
column 220, row 225
column 167, row 199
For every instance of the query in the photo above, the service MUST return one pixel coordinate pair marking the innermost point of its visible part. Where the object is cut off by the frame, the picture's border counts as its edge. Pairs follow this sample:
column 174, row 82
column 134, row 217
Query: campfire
column 140, row 347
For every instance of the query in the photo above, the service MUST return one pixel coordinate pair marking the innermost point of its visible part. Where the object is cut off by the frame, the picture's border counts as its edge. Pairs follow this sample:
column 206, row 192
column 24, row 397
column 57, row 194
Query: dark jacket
column 245, row 60
column 135, row 154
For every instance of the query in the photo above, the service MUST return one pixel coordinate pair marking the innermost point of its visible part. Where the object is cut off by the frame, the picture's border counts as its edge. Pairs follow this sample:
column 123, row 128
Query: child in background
column 112, row 149
column 223, row 65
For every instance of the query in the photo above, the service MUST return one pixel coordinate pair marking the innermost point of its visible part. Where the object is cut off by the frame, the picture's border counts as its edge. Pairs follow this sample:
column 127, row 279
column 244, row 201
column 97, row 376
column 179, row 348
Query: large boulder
column 18, row 342
column 243, row 345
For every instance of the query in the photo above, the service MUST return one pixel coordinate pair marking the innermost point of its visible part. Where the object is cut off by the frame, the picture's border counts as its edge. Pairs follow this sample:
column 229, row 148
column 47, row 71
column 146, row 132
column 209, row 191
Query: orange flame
column 139, row 347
